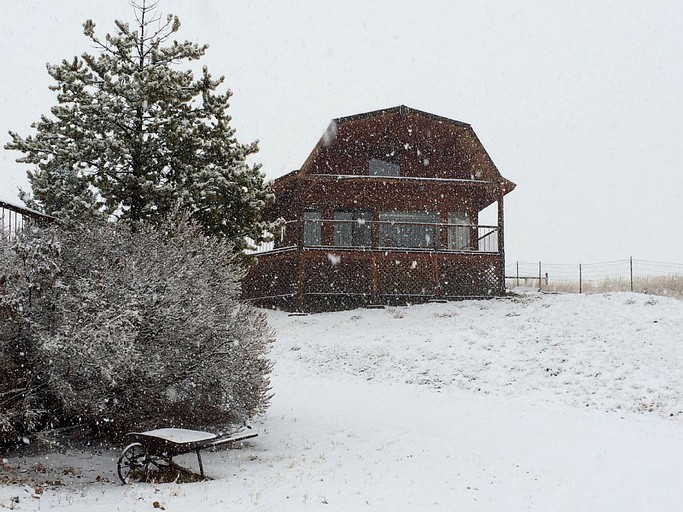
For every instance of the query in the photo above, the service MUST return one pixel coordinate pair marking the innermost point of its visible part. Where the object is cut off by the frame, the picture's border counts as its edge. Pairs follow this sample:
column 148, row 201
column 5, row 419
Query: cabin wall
column 316, row 280
column 422, row 147
column 385, row 195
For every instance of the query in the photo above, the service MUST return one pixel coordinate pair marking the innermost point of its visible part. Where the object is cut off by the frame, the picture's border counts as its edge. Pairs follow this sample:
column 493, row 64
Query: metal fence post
column 630, row 261
column 540, row 277
column 580, row 290
column 517, row 272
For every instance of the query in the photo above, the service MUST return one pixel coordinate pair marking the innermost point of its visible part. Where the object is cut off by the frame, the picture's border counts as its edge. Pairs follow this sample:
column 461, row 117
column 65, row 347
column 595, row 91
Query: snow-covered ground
column 540, row 402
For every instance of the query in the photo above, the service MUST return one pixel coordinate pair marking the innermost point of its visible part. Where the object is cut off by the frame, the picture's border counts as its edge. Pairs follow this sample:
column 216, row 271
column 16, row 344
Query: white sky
column 579, row 103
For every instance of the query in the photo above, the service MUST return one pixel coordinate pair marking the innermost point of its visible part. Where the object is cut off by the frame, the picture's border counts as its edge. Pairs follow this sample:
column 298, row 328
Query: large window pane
column 312, row 228
column 382, row 168
column 352, row 228
column 411, row 229
column 459, row 235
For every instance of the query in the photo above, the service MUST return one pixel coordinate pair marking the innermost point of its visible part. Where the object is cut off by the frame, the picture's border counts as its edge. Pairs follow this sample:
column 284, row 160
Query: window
column 382, row 168
column 312, row 226
column 417, row 230
column 351, row 228
column 459, row 234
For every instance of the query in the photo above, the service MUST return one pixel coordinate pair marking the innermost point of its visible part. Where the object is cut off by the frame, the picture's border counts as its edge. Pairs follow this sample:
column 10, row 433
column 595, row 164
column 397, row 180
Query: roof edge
column 286, row 176
column 400, row 109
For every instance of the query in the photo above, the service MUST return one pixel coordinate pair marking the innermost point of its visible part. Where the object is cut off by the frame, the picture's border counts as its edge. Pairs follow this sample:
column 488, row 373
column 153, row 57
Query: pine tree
column 135, row 136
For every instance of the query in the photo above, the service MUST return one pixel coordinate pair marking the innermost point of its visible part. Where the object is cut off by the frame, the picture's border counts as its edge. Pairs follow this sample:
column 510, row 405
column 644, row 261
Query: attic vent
column 381, row 168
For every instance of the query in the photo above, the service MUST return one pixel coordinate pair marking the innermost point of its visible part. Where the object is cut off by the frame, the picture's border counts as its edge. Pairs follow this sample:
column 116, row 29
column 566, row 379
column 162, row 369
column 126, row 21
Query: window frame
column 409, row 229
column 312, row 228
column 383, row 167
column 459, row 237
column 353, row 231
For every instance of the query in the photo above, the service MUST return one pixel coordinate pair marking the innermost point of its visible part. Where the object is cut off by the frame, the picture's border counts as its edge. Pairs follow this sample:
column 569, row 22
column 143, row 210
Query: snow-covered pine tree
column 135, row 135
column 59, row 190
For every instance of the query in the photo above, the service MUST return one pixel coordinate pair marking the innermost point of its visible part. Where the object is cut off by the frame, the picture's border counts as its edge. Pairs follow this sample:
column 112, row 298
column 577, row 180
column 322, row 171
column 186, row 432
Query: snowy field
column 539, row 402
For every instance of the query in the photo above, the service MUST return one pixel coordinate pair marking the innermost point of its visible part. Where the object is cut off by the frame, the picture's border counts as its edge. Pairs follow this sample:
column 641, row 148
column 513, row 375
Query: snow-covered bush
column 22, row 408
column 28, row 268
column 143, row 327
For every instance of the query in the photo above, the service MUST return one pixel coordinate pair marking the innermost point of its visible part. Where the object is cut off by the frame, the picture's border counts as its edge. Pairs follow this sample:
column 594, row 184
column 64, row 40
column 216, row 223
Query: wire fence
column 653, row 277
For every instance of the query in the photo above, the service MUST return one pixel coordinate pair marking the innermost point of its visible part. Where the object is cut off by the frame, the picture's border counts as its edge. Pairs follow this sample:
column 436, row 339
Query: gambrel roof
column 424, row 145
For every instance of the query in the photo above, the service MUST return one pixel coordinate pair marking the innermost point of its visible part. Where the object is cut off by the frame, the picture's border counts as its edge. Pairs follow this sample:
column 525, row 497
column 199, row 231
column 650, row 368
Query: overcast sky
column 579, row 103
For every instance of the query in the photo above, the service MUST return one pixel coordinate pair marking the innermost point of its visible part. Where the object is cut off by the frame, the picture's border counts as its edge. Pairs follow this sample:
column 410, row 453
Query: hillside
column 610, row 352
column 538, row 402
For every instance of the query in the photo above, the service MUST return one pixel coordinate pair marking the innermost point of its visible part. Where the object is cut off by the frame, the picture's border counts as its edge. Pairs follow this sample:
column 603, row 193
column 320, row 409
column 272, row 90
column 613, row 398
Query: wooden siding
column 351, row 278
column 443, row 168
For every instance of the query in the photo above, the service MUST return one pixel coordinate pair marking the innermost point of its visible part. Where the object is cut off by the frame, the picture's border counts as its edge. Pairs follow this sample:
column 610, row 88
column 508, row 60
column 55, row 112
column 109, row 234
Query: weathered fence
column 15, row 218
column 623, row 275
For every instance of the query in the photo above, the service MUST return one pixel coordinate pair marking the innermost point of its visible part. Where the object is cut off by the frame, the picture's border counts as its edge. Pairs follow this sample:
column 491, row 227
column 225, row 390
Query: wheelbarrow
column 155, row 449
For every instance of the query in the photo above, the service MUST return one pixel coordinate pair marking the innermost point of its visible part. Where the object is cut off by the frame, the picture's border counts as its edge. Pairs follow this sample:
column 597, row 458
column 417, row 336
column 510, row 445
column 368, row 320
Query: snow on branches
column 135, row 135
column 137, row 327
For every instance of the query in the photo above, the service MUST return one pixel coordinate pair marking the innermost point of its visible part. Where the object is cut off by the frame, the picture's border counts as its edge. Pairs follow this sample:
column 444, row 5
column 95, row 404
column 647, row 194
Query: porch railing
column 14, row 219
column 366, row 235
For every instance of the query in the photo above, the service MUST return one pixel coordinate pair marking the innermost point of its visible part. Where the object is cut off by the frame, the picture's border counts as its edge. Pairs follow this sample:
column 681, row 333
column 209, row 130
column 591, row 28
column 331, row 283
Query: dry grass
column 670, row 286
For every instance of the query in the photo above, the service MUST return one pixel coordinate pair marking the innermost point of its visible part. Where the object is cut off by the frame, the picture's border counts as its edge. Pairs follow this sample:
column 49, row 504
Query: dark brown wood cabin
column 385, row 210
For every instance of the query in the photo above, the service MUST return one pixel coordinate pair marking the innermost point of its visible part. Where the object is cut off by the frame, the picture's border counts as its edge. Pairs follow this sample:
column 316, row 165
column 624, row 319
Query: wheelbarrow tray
column 172, row 441
column 156, row 448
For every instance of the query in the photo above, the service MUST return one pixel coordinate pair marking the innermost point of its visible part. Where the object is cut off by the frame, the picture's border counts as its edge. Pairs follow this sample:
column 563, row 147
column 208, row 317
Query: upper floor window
column 379, row 167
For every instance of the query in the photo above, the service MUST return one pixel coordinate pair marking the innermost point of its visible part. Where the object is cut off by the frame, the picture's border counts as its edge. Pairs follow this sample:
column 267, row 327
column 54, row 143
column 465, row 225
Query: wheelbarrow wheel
column 133, row 463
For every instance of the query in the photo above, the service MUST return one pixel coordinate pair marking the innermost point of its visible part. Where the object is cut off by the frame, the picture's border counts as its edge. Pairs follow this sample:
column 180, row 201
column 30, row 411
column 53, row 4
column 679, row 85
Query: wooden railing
column 14, row 219
column 364, row 235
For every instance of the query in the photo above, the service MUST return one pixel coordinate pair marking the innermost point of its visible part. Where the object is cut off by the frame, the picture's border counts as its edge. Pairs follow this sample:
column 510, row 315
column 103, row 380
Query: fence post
column 630, row 261
column 580, row 290
column 540, row 277
column 517, row 273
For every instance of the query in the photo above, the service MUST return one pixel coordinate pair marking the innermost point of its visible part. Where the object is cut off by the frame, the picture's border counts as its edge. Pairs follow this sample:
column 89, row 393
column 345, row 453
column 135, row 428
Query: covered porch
column 352, row 260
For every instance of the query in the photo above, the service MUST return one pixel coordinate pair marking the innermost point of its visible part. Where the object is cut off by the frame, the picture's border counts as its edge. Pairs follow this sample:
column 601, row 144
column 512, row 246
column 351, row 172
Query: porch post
column 301, row 262
column 436, row 274
column 373, row 278
column 501, row 237
column 373, row 258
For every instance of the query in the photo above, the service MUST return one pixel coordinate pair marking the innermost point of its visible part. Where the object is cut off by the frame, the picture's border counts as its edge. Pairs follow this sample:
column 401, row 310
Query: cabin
column 385, row 210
